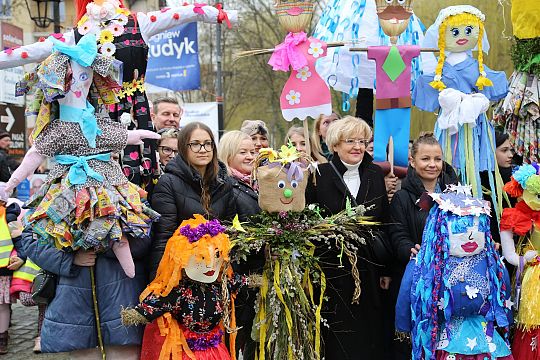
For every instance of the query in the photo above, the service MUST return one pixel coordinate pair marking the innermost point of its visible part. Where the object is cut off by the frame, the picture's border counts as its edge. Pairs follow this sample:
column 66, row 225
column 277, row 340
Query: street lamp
column 42, row 18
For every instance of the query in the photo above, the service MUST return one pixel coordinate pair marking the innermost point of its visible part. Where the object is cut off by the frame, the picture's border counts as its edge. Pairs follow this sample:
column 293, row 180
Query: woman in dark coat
column 409, row 211
column 355, row 330
column 237, row 151
column 194, row 182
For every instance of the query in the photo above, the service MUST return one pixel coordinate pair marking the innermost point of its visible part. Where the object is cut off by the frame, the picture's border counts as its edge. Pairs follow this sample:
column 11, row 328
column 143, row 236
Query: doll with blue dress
column 461, row 90
column 454, row 299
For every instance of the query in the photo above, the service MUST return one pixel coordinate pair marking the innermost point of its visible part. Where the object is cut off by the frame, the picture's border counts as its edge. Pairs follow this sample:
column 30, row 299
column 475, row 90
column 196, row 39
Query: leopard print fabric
column 66, row 138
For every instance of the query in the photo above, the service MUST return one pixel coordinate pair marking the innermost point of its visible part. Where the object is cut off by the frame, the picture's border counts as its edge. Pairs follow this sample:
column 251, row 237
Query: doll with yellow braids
column 187, row 300
column 462, row 88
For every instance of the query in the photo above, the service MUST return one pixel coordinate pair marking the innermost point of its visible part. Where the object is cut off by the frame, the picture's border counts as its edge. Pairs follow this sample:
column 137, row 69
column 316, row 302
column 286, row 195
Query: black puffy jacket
column 407, row 217
column 246, row 199
column 177, row 196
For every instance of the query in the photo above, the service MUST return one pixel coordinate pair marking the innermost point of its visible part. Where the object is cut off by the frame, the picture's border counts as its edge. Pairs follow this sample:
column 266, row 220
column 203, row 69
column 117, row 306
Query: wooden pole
column 96, row 312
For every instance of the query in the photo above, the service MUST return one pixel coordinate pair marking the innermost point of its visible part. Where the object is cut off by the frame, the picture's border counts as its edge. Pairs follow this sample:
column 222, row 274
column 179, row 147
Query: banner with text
column 174, row 60
column 207, row 113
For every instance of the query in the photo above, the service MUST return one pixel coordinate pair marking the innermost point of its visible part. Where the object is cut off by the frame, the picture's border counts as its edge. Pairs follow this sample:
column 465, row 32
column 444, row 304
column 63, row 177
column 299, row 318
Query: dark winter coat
column 407, row 217
column 246, row 200
column 177, row 196
column 70, row 319
column 355, row 330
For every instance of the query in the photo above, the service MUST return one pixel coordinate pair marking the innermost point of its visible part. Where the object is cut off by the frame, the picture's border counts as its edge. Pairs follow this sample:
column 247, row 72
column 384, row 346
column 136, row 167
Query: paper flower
column 122, row 19
column 315, row 49
column 287, row 154
column 83, row 20
column 271, row 154
column 123, row 11
column 107, row 49
column 237, row 225
column 303, row 73
column 116, row 29
column 106, row 37
column 293, row 97
column 523, row 173
column 86, row 28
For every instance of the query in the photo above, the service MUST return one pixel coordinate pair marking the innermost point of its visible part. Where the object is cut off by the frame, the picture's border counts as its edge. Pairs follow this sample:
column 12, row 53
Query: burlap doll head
column 294, row 16
column 394, row 16
column 282, row 179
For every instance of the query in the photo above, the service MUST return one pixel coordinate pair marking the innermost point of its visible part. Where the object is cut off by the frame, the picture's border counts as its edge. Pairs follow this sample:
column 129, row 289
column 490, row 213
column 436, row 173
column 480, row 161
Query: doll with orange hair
column 462, row 87
column 188, row 298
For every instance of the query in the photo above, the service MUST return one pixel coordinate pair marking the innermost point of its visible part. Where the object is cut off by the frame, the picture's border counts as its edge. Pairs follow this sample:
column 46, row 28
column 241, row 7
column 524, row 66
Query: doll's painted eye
column 83, row 77
column 294, row 184
column 281, row 184
column 401, row 2
column 468, row 30
column 218, row 254
column 455, row 32
column 389, row 1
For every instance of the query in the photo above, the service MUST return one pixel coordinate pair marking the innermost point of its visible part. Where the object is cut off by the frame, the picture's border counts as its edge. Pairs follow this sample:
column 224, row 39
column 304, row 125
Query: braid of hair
column 437, row 82
column 482, row 79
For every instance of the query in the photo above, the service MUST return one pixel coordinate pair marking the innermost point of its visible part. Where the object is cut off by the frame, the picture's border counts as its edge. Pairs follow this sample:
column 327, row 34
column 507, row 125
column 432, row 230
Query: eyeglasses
column 197, row 147
column 352, row 142
column 167, row 150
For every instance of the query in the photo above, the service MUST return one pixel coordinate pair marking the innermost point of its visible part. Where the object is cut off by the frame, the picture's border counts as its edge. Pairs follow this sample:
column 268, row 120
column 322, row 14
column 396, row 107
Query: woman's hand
column 85, row 258
column 15, row 263
column 384, row 282
column 414, row 250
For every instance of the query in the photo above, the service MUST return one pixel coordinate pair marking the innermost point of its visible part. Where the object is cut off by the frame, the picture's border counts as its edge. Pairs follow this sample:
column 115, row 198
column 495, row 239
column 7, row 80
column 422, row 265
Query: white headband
column 431, row 39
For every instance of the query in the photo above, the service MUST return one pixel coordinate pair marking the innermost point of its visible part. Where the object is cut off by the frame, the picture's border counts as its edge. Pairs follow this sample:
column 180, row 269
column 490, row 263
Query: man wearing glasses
column 166, row 114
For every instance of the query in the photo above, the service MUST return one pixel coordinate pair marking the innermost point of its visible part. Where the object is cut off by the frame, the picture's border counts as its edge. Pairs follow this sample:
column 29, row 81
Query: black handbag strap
column 347, row 192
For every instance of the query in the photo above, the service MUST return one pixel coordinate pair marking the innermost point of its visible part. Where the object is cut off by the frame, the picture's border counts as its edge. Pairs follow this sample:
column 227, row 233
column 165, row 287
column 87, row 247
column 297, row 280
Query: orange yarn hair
column 177, row 254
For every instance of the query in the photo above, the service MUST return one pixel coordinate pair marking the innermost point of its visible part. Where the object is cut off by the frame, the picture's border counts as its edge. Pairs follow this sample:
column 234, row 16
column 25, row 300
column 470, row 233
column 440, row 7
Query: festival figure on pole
column 524, row 221
column 462, row 87
column 87, row 201
column 393, row 83
column 454, row 300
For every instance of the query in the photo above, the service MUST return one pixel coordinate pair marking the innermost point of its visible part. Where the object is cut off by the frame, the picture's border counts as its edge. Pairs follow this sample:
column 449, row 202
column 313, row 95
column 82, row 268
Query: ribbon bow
column 84, row 52
column 222, row 15
column 287, row 53
column 459, row 108
column 80, row 170
column 86, row 119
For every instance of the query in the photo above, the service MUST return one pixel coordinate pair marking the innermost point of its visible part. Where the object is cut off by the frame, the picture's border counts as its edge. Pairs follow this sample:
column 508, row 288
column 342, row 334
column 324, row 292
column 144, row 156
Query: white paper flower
column 315, row 49
column 304, row 73
column 471, row 343
column 86, row 28
column 116, row 29
column 107, row 49
column 472, row 292
column 121, row 19
column 293, row 97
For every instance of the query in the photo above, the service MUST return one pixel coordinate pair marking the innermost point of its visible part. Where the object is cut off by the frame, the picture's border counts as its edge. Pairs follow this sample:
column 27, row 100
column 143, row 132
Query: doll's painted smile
column 462, row 41
column 469, row 247
column 295, row 11
column 284, row 202
column 210, row 273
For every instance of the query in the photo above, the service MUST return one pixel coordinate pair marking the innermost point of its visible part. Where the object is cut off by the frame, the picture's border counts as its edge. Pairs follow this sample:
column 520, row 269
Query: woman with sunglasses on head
column 355, row 330
column 167, row 147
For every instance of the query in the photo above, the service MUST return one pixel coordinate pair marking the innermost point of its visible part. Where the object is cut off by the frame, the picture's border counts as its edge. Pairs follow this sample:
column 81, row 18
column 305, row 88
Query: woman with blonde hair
column 355, row 330
column 318, row 134
column 296, row 136
column 237, row 151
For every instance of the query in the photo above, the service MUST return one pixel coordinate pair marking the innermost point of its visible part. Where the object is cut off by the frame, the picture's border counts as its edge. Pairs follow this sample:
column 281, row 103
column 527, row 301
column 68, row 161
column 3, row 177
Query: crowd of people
column 198, row 176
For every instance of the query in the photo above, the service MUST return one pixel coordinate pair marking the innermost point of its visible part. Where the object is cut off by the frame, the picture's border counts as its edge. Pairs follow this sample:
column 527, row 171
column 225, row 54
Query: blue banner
column 174, row 59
